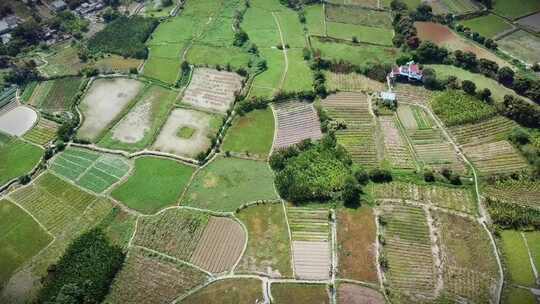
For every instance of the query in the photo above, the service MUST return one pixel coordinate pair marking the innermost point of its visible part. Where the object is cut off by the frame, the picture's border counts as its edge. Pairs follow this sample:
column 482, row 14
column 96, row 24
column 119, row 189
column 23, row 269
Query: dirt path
column 284, row 52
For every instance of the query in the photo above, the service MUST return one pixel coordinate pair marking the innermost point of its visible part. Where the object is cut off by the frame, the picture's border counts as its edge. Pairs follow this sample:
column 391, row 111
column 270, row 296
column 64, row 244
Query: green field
column 517, row 258
column 18, row 158
column 21, row 238
column 63, row 59
column 203, row 54
column 266, row 83
column 90, row 170
column 482, row 82
column 155, row 183
column 299, row 76
column 227, row 183
column 358, row 15
column 356, row 54
column 266, row 225
column 488, row 25
column 516, row 295
column 252, row 133
column 533, row 240
column 155, row 103
column 517, row 8
column 43, row 132
column 362, row 33
column 315, row 20
column 456, row 108
column 56, row 95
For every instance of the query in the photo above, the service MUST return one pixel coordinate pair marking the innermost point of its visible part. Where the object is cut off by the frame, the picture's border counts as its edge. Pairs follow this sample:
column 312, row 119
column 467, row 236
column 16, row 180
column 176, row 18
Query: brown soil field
column 220, row 245
column 299, row 293
column 356, row 238
column 443, row 36
column 212, row 90
column 150, row 279
column 228, row 291
column 296, row 121
column 356, row 294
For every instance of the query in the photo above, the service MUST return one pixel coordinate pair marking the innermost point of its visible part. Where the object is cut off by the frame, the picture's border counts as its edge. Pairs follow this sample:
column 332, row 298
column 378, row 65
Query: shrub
column 351, row 192
column 361, row 175
column 429, row 176
column 379, row 175
column 468, row 86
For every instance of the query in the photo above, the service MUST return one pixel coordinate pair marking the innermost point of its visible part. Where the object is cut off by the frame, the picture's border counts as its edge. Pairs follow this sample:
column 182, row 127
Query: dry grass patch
column 300, row 293
column 356, row 237
column 356, row 294
column 228, row 291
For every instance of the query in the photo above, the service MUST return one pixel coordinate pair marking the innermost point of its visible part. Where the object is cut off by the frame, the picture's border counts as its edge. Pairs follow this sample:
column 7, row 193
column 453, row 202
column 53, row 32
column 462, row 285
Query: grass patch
column 362, row 33
column 185, row 132
column 517, row 258
column 124, row 36
column 488, row 25
column 518, row 295
column 252, row 133
column 202, row 54
column 515, row 9
column 299, row 75
column 533, row 240
column 227, row 183
column 315, row 19
column 522, row 45
column 266, row 225
column 21, row 239
column 457, row 108
column 359, row 54
column 266, row 83
column 229, row 291
column 358, row 15
column 299, row 293
column 18, row 158
column 482, row 82
column 155, row 183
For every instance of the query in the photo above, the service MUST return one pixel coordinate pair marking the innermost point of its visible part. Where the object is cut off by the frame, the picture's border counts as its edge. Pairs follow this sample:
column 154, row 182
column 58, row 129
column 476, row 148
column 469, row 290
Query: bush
column 88, row 265
column 361, row 175
column 378, row 175
column 468, row 86
column 429, row 176
column 351, row 192
column 124, row 36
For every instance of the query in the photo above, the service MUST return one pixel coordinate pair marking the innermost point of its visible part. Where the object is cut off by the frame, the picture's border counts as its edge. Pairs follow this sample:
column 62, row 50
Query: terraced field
column 458, row 199
column 523, row 192
column 54, row 202
column 496, row 157
column 90, row 170
column 395, row 146
column 359, row 136
column 43, row 132
column 310, row 242
column 296, row 121
column 411, row 270
column 352, row 82
column 491, row 130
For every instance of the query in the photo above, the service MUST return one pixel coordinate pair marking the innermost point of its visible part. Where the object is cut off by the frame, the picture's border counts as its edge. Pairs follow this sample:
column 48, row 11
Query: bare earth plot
column 310, row 242
column 105, row 100
column 153, row 279
column 411, row 265
column 90, row 170
column 356, row 294
column 228, row 291
column 220, row 246
column 212, row 90
column 201, row 127
column 496, row 157
column 396, row 147
column 296, row 121
column 359, row 136
column 17, row 121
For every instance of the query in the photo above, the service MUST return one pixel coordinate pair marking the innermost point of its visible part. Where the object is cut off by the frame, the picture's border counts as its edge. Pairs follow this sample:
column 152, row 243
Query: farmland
column 519, row 191
column 227, row 183
column 352, row 82
column 355, row 53
column 356, row 294
column 139, row 127
column 251, row 134
column 18, row 158
column 449, row 107
column 150, row 278
column 56, row 95
column 395, row 146
column 522, row 45
column 516, row 9
column 154, row 184
column 43, row 132
column 356, row 239
column 488, row 25
column 22, row 238
column 228, row 291
column 266, row 225
column 411, row 266
column 359, row 136
column 90, row 170
column 516, row 253
column 300, row 293
column 296, row 121
column 17, row 120
column 496, row 157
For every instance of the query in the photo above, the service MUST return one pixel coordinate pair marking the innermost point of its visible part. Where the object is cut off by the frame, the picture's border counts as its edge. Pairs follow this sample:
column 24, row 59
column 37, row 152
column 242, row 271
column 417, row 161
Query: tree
column 485, row 95
column 397, row 5
column 505, row 76
column 429, row 176
column 351, row 192
column 519, row 136
column 423, row 12
column 428, row 52
column 378, row 175
column 22, row 75
column 361, row 175
column 240, row 37
column 468, row 86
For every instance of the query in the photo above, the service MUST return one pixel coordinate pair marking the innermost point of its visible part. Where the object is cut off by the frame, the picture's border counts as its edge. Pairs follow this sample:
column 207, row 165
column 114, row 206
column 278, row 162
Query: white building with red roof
column 411, row 71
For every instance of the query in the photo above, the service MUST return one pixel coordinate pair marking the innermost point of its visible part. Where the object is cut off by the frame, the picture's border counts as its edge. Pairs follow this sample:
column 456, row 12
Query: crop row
column 496, row 157
column 308, row 224
column 296, row 121
column 491, row 130
column 523, row 192
column 396, row 148
column 352, row 82
column 43, row 132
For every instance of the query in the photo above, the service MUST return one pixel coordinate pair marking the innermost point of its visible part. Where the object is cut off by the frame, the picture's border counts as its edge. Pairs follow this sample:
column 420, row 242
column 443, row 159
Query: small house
column 411, row 71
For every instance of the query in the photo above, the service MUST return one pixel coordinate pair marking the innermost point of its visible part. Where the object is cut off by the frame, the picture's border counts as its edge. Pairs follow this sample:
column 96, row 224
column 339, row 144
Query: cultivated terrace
column 269, row 151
